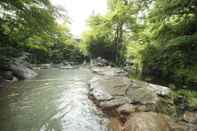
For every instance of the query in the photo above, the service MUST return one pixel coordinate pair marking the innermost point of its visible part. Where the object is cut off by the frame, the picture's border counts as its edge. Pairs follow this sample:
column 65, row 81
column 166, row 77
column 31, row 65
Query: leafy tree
column 21, row 20
column 30, row 26
column 171, row 56
column 106, row 37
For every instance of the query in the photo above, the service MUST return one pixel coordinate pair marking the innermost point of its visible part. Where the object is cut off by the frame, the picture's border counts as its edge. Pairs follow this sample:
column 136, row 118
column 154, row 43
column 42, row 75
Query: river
column 56, row 100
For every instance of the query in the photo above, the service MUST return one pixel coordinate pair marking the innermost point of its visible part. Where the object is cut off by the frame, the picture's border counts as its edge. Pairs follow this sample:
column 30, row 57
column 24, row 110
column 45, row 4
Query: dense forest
column 30, row 28
column 157, row 39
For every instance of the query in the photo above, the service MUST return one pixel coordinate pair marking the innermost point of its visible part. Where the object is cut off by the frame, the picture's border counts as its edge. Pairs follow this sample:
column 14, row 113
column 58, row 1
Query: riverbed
column 56, row 100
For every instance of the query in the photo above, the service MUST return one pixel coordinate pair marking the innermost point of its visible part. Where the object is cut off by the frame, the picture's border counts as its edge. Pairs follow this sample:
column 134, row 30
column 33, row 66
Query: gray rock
column 118, row 101
column 115, row 86
column 6, row 83
column 154, row 97
column 109, row 91
column 142, row 96
column 109, row 71
column 100, row 94
column 8, row 75
column 126, row 109
column 114, row 91
column 22, row 72
column 157, row 89
column 97, row 91
column 146, row 93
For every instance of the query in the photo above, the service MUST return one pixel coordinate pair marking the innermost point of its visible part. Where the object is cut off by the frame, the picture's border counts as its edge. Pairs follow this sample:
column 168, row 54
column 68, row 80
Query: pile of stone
column 136, row 105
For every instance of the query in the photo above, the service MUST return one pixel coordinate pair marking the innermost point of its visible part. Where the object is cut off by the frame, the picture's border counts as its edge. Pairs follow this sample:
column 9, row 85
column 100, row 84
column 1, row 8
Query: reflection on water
column 56, row 100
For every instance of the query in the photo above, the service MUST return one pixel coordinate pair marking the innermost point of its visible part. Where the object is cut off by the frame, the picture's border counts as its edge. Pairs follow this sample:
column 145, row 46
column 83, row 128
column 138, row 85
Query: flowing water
column 56, row 100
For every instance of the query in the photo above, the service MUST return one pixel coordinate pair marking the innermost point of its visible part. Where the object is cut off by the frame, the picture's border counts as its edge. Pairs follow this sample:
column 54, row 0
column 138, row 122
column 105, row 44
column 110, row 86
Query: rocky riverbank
column 19, row 69
column 135, row 105
column 14, row 71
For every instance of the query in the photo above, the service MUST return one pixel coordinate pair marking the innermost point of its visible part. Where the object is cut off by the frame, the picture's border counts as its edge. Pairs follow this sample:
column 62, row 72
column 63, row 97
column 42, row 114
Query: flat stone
column 126, row 109
column 115, row 86
column 146, row 93
column 97, row 91
column 157, row 89
column 142, row 96
column 109, row 71
column 100, row 94
column 114, row 102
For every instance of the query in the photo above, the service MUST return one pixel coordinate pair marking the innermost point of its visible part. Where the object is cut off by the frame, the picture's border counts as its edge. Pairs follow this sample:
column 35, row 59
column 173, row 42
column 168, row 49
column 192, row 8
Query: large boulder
column 142, row 96
column 132, row 103
column 115, row 86
column 5, row 82
column 7, row 75
column 147, row 121
column 156, row 89
column 109, row 91
column 22, row 72
column 154, row 97
column 97, row 91
column 114, row 91
column 115, row 102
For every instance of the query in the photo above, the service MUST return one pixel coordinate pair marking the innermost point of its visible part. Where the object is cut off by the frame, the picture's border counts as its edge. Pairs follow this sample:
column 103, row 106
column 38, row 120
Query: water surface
column 56, row 100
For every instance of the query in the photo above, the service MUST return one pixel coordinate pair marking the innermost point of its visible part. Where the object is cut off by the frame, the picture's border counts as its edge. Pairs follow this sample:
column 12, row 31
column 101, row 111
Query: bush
column 174, row 62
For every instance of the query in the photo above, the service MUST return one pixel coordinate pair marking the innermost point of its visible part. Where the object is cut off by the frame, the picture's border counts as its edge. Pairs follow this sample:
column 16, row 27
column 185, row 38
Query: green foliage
column 190, row 95
column 70, row 52
column 30, row 26
column 135, row 56
column 107, row 34
column 175, row 62
column 98, row 40
column 21, row 20
column 172, row 53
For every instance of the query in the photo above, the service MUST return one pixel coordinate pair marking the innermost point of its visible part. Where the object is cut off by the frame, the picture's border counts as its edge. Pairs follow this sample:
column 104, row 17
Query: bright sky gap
column 79, row 11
